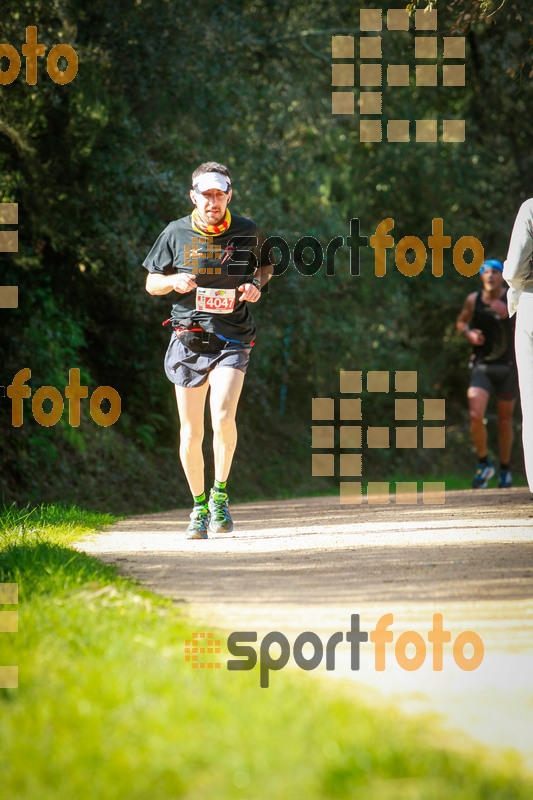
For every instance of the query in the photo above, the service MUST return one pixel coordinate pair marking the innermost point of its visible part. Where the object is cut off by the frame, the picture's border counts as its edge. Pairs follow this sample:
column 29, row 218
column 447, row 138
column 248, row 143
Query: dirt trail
column 308, row 564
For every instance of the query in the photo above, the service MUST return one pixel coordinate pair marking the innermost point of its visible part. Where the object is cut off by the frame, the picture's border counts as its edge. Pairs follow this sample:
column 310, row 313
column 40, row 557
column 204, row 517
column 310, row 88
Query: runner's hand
column 249, row 292
column 184, row 283
column 500, row 308
column 475, row 337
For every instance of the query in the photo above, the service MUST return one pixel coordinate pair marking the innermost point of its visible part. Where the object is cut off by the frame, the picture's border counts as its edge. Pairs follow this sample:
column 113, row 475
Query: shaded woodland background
column 101, row 165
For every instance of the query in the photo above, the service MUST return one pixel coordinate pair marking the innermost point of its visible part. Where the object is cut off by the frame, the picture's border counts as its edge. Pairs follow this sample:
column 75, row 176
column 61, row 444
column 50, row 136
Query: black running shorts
column 185, row 367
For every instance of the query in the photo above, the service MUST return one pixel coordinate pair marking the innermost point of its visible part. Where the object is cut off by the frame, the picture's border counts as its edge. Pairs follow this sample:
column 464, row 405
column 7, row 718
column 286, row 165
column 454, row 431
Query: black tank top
column 498, row 347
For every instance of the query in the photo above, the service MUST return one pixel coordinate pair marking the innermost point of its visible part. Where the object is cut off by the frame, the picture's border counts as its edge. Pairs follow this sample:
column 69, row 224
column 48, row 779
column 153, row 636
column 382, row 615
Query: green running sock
column 201, row 500
column 220, row 486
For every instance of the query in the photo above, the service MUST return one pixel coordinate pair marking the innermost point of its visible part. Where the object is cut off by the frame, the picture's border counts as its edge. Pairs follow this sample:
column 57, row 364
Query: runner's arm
column 473, row 335
column 156, row 283
column 249, row 291
column 517, row 266
column 264, row 274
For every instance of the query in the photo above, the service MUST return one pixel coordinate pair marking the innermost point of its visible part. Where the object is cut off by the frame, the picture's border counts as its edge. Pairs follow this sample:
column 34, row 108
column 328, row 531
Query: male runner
column 518, row 272
column 205, row 258
column 484, row 321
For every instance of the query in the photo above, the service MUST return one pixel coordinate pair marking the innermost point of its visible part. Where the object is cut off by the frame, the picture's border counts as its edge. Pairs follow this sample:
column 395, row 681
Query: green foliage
column 101, row 165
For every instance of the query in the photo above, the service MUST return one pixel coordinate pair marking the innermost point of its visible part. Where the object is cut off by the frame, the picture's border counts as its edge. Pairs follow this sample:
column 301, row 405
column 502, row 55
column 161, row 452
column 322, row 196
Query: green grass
column 107, row 708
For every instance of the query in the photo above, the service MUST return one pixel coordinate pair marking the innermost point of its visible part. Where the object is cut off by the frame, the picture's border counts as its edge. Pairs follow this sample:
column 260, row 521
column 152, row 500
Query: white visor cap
column 212, row 180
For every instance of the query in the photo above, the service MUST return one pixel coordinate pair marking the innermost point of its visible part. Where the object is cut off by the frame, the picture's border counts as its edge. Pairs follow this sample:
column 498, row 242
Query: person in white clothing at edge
column 518, row 273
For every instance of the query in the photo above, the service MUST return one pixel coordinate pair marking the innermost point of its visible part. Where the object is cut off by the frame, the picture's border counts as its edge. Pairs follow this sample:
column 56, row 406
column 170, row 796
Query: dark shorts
column 499, row 378
column 185, row 367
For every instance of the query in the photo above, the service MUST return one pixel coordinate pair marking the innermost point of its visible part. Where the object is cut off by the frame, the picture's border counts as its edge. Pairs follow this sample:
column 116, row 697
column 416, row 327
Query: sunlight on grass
column 107, row 707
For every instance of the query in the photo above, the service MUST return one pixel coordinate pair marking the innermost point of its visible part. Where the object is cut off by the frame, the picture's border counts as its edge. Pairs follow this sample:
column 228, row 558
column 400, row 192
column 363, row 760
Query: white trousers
column 524, row 361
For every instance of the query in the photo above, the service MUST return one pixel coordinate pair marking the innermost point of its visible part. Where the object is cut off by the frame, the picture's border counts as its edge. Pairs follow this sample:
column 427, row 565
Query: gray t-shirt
column 218, row 262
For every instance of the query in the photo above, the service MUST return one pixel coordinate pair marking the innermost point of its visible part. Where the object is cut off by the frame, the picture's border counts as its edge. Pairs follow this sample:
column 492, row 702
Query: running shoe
column 505, row 479
column 220, row 521
column 483, row 475
column 199, row 523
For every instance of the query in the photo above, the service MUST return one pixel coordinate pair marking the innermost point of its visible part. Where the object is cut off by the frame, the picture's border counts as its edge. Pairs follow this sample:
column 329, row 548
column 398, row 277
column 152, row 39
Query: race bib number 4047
column 216, row 301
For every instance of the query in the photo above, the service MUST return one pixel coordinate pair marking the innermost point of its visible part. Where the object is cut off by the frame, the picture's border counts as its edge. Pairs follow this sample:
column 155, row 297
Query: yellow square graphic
column 370, row 102
column 426, row 47
column 426, row 130
column 426, row 20
column 9, row 677
column 398, row 75
column 453, row 75
column 434, row 492
column 342, row 46
column 406, row 409
column 9, row 296
column 377, row 492
column 323, row 408
column 202, row 643
column 377, row 381
column 370, row 130
column 406, row 493
column 454, row 46
column 322, row 464
column 426, row 74
column 433, row 437
column 370, row 19
column 398, row 130
column 350, row 493
column 406, row 438
column 342, row 75
column 370, row 74
column 9, row 621
column 351, row 464
column 398, row 19
column 351, row 436
column 351, row 381
column 9, row 241
column 453, row 130
column 9, row 213
column 406, row 381
column 9, row 593
column 350, row 409
column 342, row 103
column 323, row 436
column 370, row 47
column 377, row 437
column 435, row 409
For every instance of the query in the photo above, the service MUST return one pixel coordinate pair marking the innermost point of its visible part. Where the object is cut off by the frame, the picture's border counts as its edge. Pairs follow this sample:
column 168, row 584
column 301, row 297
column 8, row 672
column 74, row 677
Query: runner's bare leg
column 226, row 384
column 477, row 403
column 505, row 429
column 191, row 409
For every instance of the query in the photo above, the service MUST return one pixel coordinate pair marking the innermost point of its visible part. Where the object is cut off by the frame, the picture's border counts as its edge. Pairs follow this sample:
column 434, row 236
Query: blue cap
column 492, row 263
